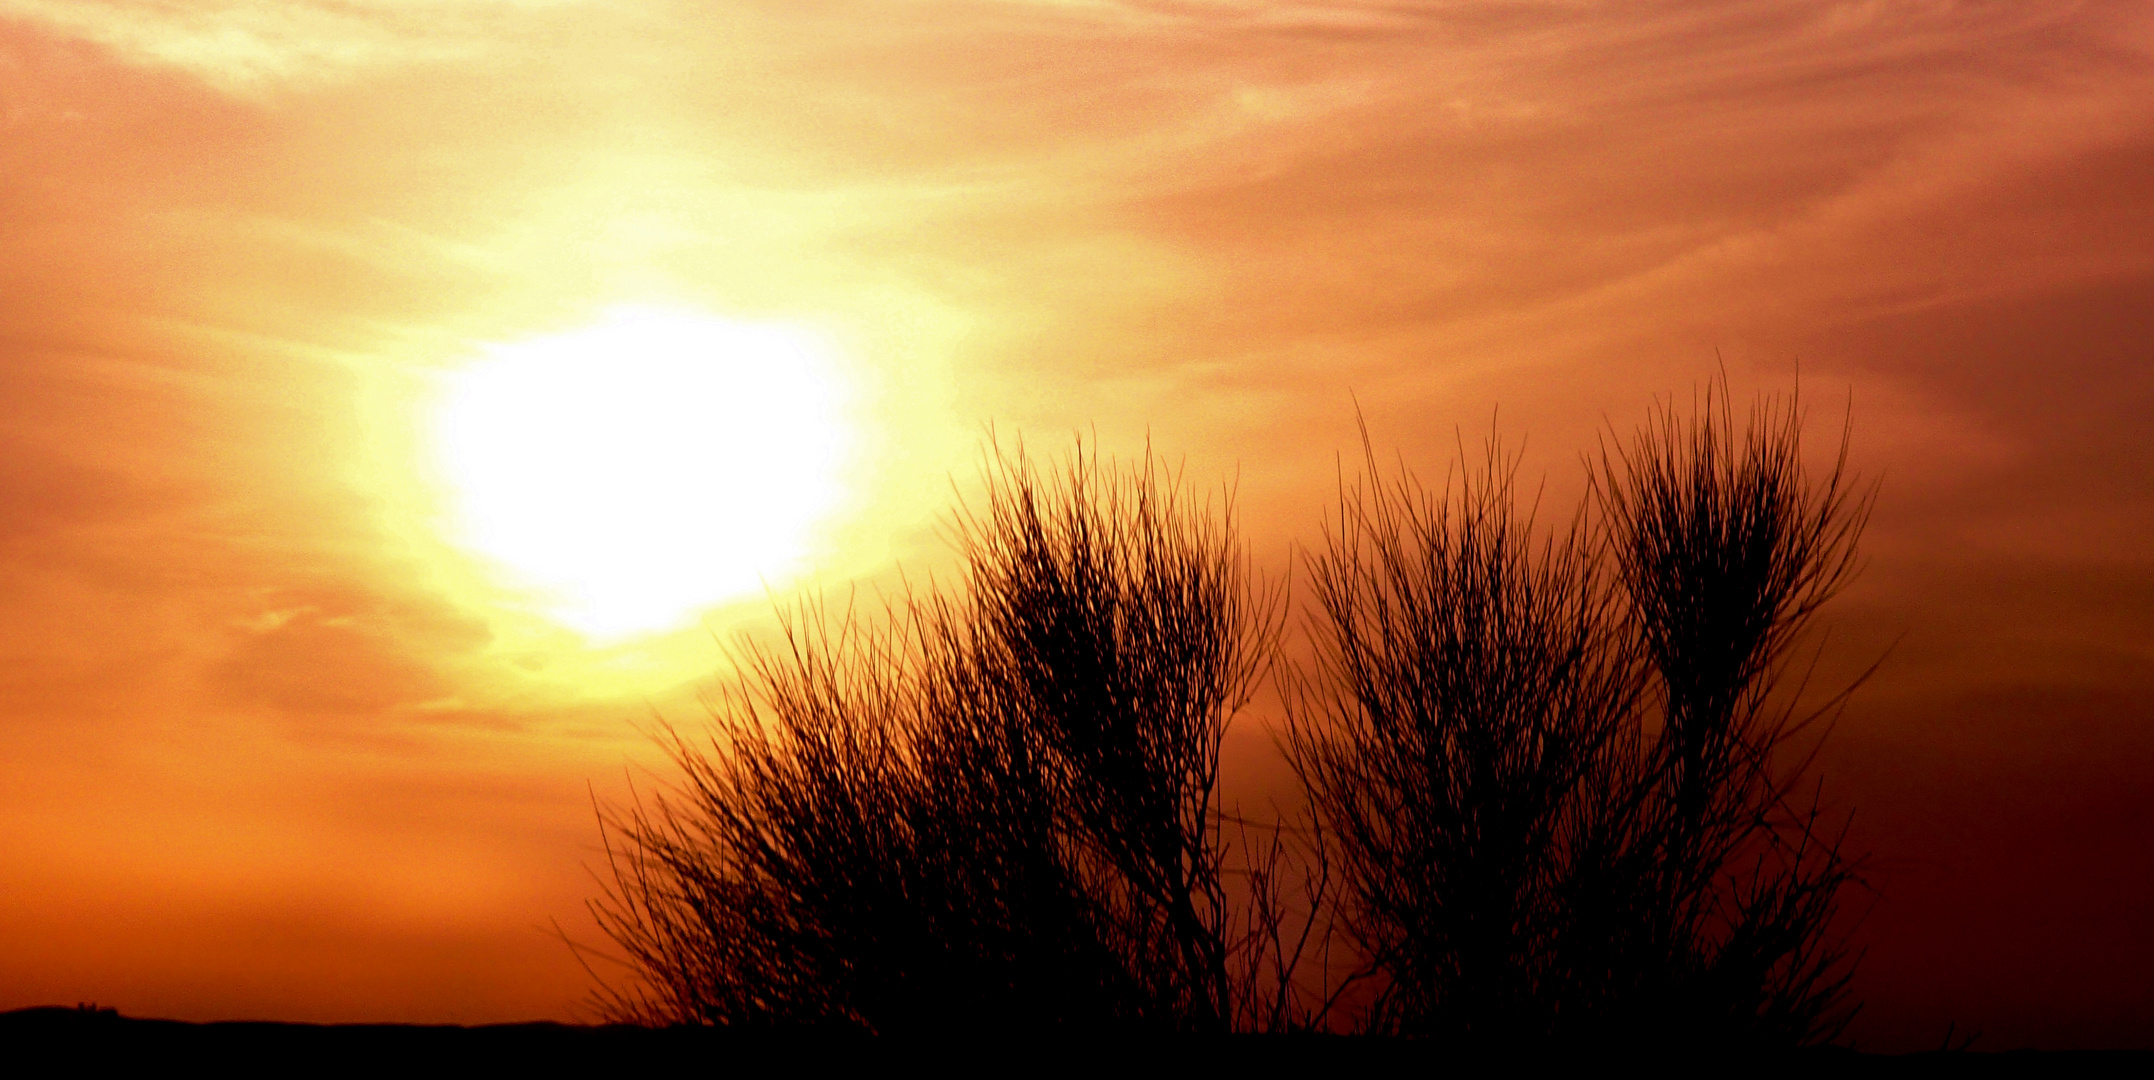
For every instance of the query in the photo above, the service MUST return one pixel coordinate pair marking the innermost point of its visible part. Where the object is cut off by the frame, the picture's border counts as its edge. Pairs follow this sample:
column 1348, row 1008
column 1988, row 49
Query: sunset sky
column 288, row 730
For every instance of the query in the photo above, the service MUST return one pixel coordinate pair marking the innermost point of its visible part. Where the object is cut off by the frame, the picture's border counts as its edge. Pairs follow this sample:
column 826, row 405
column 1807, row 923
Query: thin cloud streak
column 254, row 50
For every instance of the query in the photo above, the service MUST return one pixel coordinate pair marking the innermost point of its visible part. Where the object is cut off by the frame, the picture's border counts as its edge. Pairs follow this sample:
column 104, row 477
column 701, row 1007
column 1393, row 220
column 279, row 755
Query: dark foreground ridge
column 87, row 1036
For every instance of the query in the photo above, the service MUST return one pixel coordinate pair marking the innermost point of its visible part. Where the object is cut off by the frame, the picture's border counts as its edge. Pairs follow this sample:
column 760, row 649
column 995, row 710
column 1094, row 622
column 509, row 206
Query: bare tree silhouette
column 994, row 809
column 1560, row 771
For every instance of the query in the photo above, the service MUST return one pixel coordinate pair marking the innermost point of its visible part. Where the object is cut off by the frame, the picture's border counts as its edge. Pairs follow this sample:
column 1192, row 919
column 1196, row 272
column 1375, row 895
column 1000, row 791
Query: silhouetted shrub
column 1469, row 684
column 1558, row 773
column 1726, row 547
column 1556, row 770
column 990, row 810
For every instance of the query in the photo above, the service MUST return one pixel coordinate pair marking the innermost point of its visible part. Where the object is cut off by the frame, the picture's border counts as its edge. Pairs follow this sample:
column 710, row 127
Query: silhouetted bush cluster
column 1552, row 775
column 995, row 810
column 1553, row 768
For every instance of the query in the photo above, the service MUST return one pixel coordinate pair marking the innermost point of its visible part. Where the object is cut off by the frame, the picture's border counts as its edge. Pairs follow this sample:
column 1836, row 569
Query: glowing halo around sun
column 645, row 467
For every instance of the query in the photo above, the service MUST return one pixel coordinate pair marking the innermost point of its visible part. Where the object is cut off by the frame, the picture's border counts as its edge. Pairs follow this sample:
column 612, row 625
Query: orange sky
column 273, row 748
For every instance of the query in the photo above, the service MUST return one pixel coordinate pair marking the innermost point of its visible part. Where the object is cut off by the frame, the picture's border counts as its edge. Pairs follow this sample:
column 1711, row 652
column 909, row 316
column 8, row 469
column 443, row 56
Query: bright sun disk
column 645, row 467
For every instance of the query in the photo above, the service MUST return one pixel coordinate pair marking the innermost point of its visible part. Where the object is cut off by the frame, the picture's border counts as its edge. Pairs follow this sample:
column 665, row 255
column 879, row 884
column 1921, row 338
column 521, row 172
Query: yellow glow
column 645, row 467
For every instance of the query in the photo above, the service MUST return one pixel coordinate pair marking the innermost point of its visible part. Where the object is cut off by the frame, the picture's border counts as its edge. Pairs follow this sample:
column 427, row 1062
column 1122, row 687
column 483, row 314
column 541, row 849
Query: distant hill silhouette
column 51, row 1040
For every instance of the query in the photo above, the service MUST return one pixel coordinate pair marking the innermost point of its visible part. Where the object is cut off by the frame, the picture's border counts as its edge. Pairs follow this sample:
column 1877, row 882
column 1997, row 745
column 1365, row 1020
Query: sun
column 645, row 467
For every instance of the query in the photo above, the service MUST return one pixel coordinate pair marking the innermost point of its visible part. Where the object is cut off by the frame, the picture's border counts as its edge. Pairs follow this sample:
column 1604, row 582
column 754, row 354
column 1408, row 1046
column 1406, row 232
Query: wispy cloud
column 252, row 47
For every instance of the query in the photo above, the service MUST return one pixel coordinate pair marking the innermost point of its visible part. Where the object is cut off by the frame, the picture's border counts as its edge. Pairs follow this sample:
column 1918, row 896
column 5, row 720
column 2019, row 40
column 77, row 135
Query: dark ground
column 83, row 1039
